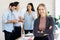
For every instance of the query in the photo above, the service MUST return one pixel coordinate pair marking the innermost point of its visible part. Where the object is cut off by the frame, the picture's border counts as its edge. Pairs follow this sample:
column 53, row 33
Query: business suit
column 49, row 22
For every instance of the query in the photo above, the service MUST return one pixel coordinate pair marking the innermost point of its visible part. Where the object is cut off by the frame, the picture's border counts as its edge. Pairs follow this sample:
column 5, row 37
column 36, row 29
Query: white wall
column 4, row 5
column 57, row 10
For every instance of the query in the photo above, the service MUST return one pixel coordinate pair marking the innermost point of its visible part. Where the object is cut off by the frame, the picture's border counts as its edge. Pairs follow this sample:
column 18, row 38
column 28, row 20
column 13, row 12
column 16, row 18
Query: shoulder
column 25, row 13
column 36, row 20
column 51, row 18
column 6, row 12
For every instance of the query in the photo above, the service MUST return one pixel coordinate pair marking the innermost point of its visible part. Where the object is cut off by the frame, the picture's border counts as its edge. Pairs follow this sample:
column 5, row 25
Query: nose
column 41, row 11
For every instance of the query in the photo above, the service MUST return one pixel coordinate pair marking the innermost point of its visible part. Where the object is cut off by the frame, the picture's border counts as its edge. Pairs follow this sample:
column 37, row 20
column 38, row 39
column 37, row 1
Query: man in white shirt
column 17, row 26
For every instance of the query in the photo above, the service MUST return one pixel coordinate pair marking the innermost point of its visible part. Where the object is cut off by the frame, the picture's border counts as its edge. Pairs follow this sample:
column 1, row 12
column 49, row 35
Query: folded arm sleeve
column 51, row 23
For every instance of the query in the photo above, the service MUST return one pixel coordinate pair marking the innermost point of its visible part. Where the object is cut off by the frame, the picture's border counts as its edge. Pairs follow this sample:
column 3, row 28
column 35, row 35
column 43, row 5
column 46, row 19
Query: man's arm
column 11, row 21
column 21, row 19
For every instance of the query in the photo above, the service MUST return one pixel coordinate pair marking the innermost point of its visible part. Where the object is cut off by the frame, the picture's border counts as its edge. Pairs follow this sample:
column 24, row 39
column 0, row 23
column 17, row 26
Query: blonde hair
column 43, row 5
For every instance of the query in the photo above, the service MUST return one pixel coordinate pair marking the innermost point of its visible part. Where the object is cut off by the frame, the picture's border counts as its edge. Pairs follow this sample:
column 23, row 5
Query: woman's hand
column 45, row 34
column 40, row 31
column 50, row 27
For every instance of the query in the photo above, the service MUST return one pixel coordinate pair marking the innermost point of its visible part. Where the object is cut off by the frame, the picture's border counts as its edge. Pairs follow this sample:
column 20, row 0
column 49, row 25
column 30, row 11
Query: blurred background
column 52, row 7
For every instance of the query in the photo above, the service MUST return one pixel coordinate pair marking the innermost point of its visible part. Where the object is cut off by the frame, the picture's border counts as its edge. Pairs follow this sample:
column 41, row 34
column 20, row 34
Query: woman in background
column 29, row 18
column 43, row 25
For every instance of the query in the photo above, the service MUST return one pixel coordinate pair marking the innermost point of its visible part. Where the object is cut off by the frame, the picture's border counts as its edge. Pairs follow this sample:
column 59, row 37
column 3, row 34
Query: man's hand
column 21, row 19
column 14, row 21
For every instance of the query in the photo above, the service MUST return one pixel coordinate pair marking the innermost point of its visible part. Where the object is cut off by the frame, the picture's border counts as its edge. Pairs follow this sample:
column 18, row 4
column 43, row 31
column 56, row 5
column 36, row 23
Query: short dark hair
column 31, row 6
column 11, row 4
column 16, row 3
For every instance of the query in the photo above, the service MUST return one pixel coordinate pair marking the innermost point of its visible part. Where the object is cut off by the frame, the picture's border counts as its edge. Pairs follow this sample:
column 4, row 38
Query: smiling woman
column 43, row 25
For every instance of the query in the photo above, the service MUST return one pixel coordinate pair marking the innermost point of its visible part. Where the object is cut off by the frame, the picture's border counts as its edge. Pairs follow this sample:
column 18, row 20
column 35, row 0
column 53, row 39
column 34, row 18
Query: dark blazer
column 49, row 22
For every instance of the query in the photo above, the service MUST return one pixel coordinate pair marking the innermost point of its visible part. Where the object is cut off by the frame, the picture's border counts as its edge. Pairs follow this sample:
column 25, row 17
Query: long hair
column 31, row 6
column 43, row 5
